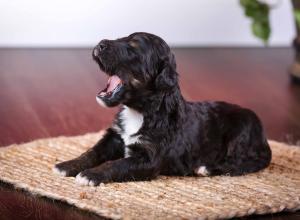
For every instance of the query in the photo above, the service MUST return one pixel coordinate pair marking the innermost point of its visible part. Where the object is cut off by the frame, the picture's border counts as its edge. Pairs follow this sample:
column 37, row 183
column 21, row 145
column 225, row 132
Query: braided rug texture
column 277, row 188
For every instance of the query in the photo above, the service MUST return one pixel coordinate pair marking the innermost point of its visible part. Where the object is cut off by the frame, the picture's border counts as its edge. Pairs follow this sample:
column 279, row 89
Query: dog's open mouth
column 114, row 84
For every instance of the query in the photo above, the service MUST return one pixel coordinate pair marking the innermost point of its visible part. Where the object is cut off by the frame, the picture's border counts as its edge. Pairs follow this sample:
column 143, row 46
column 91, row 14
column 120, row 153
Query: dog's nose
column 103, row 45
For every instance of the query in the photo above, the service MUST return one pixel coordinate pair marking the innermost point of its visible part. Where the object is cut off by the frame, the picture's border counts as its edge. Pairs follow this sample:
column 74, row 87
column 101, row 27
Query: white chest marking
column 132, row 121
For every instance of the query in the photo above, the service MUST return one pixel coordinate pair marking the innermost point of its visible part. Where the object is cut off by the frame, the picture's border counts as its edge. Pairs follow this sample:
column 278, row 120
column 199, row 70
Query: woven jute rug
column 277, row 188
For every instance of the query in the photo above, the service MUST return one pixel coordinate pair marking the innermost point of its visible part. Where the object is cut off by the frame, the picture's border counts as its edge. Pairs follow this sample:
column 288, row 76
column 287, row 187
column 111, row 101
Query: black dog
column 157, row 131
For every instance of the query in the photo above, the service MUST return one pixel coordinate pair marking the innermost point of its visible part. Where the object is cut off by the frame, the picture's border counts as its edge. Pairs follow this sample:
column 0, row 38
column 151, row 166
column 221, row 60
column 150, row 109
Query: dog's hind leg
column 110, row 147
column 247, row 156
column 232, row 169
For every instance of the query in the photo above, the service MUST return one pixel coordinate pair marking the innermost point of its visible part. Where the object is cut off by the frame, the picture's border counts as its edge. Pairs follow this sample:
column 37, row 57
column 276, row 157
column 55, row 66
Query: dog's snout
column 102, row 46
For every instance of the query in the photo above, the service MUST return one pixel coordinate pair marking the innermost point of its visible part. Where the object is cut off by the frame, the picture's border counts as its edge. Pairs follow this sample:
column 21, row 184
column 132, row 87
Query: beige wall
column 180, row 22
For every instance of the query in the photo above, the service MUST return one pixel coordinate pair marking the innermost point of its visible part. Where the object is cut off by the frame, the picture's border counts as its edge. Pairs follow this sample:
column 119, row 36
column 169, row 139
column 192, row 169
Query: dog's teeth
column 100, row 102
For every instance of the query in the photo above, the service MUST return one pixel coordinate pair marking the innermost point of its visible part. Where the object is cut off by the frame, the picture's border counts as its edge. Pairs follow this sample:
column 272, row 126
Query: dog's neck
column 160, row 102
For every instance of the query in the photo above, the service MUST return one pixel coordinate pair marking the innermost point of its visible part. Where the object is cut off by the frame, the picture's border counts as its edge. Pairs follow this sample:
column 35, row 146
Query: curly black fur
column 173, row 136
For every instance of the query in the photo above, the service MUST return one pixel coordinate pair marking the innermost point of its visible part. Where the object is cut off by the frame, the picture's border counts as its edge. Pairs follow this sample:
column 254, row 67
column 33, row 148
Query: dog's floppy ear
column 167, row 76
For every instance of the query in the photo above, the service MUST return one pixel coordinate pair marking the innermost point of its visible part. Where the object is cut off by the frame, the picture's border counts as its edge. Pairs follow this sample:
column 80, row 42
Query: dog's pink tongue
column 113, row 82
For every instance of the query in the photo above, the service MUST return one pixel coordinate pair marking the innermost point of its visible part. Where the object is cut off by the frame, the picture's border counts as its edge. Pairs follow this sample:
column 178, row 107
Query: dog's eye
column 133, row 44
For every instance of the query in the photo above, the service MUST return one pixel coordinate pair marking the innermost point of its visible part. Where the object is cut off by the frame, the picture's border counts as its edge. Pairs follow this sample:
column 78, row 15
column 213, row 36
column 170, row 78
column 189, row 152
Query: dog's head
column 141, row 63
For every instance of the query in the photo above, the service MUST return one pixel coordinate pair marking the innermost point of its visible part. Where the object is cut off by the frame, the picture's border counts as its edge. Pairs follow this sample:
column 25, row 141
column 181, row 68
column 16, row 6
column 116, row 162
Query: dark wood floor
column 51, row 92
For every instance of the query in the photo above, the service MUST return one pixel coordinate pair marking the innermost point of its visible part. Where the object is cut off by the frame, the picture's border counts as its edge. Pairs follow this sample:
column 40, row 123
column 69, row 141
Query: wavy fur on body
column 158, row 132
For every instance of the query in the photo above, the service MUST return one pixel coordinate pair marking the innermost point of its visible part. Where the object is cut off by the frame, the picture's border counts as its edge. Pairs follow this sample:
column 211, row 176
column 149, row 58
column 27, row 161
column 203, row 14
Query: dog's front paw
column 90, row 178
column 67, row 168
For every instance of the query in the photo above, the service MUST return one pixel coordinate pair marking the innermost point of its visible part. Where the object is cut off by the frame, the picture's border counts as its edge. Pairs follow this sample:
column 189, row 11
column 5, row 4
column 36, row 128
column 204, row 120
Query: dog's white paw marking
column 58, row 171
column 201, row 171
column 83, row 180
column 100, row 102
